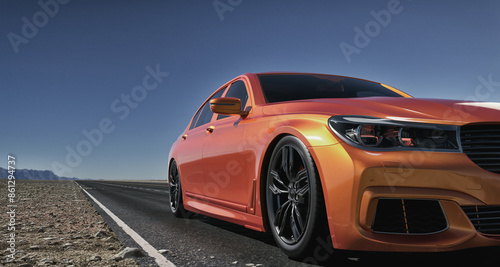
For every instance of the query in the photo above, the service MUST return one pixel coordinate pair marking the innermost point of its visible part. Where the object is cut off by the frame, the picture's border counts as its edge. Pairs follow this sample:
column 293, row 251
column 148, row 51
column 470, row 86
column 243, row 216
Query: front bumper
column 354, row 181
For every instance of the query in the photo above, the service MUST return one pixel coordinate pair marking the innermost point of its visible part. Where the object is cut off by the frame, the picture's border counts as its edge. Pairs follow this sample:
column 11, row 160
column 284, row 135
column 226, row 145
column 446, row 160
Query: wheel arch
column 265, row 161
column 263, row 175
column 321, row 226
column 170, row 161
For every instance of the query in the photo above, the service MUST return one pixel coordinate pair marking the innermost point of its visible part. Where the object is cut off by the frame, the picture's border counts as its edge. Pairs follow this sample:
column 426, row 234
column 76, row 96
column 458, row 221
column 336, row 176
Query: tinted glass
column 204, row 115
column 238, row 90
column 195, row 119
column 277, row 88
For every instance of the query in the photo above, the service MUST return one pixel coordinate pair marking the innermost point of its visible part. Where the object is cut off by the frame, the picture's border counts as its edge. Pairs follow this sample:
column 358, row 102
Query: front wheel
column 295, row 204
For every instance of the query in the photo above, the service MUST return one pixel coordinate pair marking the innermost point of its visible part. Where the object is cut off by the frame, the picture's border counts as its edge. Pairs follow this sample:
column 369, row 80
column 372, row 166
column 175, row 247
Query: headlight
column 380, row 134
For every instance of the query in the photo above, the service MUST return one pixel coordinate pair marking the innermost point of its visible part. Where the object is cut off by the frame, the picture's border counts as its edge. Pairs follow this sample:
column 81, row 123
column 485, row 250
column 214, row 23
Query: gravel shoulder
column 53, row 223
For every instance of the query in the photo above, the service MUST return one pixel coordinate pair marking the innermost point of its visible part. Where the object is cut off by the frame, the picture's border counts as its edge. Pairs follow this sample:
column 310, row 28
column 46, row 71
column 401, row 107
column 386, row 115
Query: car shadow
column 328, row 257
column 263, row 237
column 475, row 257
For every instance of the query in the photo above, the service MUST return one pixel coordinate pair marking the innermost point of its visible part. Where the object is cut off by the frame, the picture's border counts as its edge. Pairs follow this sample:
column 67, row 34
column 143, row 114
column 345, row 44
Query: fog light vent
column 486, row 219
column 409, row 216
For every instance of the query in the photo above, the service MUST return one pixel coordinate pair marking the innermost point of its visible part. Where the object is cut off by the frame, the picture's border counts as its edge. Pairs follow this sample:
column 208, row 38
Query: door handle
column 210, row 129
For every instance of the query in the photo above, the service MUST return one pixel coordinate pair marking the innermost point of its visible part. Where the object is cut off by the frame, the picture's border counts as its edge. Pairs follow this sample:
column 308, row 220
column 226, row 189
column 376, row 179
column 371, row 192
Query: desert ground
column 53, row 223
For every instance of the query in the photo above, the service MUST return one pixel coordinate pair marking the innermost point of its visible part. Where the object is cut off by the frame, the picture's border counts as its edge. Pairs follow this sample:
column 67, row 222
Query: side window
column 195, row 119
column 238, row 90
column 204, row 115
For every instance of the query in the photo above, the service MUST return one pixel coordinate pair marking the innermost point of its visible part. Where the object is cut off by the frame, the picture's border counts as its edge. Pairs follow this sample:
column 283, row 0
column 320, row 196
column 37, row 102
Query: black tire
column 175, row 192
column 294, row 198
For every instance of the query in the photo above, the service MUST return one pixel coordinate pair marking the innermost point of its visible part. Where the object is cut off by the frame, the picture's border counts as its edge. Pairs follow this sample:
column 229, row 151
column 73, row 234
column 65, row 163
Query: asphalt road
column 204, row 241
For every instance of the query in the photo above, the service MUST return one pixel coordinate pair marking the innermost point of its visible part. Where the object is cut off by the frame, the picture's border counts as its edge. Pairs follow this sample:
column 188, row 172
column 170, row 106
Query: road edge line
column 150, row 250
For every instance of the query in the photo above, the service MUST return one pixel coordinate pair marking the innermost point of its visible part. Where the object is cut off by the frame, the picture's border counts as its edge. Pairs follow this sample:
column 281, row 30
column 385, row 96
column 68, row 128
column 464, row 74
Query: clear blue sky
column 68, row 74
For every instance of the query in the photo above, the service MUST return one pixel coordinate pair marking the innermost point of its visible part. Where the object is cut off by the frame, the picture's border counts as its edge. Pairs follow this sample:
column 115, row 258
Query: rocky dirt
column 54, row 225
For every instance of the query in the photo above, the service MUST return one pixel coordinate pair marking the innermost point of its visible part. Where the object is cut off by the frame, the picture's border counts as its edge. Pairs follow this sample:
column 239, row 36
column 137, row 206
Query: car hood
column 394, row 108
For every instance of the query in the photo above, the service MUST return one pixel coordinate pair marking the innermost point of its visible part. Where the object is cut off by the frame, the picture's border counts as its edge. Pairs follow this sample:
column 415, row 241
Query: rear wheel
column 294, row 198
column 175, row 191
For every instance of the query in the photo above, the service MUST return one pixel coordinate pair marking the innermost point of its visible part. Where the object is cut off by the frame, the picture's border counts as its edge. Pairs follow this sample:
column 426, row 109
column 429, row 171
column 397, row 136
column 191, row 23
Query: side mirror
column 227, row 106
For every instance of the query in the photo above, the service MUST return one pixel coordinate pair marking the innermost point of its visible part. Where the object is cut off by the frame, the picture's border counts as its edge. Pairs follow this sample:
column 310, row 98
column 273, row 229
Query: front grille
column 409, row 216
column 486, row 219
column 481, row 143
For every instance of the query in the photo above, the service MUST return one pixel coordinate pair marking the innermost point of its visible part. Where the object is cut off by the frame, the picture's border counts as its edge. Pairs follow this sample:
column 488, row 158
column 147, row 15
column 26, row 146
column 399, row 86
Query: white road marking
column 152, row 252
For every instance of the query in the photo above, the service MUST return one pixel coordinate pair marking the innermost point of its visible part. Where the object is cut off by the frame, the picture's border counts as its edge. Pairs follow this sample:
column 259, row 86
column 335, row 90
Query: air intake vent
column 486, row 219
column 481, row 143
column 409, row 216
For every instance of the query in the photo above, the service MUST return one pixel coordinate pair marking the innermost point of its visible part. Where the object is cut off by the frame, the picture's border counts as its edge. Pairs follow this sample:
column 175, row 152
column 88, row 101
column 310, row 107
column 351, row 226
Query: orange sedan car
column 305, row 156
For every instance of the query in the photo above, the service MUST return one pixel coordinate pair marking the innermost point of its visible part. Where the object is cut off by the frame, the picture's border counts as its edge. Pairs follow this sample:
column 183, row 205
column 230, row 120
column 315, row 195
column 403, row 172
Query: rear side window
column 238, row 90
column 204, row 114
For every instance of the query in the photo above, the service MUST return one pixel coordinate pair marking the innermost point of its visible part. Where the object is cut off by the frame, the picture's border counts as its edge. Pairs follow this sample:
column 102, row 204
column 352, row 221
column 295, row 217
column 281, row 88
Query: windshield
column 288, row 87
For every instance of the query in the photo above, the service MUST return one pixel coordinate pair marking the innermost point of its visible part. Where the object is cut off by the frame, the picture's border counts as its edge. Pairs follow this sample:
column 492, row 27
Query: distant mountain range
column 25, row 174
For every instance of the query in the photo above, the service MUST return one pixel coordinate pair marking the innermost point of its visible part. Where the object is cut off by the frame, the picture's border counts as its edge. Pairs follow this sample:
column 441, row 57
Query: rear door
column 191, row 150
